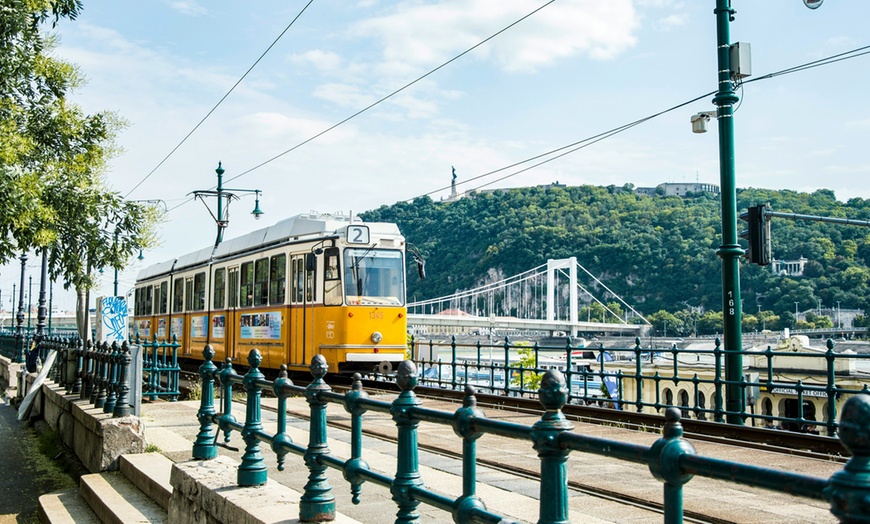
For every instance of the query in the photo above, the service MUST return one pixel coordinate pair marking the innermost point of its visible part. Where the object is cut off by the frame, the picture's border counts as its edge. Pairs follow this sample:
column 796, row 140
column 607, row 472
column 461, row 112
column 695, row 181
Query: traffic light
column 758, row 234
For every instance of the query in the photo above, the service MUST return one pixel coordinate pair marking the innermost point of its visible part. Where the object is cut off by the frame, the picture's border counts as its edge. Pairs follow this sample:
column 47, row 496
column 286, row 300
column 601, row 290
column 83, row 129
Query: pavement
column 172, row 427
column 25, row 473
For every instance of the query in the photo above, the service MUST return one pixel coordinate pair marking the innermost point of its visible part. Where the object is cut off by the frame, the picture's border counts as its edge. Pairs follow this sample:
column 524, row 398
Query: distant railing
column 160, row 369
column 655, row 379
column 671, row 459
column 98, row 373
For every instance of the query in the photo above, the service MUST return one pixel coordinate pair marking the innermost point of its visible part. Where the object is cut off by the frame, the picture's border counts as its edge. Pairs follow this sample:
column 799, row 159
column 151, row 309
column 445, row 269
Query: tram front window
column 374, row 277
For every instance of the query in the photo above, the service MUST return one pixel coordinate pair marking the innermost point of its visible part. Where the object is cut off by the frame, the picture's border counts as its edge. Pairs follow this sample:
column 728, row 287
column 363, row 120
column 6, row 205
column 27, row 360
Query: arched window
column 684, row 403
column 702, row 404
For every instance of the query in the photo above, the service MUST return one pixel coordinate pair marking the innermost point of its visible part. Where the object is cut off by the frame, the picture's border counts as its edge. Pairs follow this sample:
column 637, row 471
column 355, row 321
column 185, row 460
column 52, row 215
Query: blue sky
column 571, row 71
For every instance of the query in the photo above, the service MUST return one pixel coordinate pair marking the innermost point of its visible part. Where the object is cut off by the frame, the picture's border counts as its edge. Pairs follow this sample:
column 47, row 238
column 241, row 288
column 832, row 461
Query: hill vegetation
column 657, row 253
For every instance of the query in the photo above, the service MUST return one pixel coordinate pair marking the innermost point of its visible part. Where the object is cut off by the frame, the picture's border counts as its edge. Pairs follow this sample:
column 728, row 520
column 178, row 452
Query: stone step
column 65, row 507
column 116, row 500
column 150, row 473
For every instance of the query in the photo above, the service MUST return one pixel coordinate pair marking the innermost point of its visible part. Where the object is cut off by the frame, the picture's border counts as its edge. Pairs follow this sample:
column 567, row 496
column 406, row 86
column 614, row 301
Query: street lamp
column 221, row 218
column 730, row 251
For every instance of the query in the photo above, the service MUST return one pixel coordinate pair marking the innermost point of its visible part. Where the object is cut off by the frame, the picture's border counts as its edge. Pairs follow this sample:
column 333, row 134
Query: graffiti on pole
column 112, row 319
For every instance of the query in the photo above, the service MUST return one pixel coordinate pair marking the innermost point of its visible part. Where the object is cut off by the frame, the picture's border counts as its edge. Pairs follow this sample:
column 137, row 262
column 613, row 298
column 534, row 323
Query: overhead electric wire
column 580, row 144
column 239, row 81
column 854, row 53
column 397, row 91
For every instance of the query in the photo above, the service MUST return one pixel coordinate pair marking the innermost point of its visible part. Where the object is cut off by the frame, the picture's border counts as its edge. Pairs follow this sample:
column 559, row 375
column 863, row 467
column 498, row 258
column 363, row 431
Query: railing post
column 173, row 375
column 204, row 447
column 112, row 384
column 281, row 388
column 666, row 453
column 638, row 374
column 463, row 426
column 553, row 395
column 831, row 389
column 718, row 411
column 122, row 405
column 102, row 377
column 79, row 356
column 252, row 470
column 317, row 503
column 87, row 371
column 226, row 376
column 407, row 460
column 849, row 488
column 356, row 462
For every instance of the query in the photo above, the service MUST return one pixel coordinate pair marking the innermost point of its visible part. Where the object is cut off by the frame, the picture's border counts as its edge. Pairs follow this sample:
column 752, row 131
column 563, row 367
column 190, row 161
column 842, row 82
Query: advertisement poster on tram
column 261, row 325
column 198, row 326
column 161, row 329
column 143, row 329
column 176, row 327
column 217, row 326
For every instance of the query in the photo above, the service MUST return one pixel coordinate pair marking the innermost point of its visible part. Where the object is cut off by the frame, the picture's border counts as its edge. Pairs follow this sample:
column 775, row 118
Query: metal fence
column 671, row 459
column 160, row 368
column 798, row 390
column 98, row 373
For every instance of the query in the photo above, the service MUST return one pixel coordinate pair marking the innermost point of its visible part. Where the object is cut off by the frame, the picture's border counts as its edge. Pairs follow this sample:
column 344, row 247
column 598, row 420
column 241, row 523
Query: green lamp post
column 730, row 251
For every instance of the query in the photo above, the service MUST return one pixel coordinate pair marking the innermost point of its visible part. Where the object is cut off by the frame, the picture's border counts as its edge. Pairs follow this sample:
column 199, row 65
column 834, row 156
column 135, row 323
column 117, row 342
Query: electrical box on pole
column 757, row 234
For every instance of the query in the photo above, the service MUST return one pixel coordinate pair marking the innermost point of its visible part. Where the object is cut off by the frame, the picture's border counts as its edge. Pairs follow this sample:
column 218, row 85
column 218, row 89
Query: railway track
column 740, row 437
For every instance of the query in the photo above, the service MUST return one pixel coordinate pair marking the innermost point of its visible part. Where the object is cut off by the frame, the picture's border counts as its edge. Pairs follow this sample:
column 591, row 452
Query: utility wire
column 397, row 91
column 854, row 53
column 239, row 81
column 573, row 147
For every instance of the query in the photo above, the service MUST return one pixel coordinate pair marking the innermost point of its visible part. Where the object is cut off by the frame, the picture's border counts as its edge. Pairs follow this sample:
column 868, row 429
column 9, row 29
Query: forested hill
column 656, row 252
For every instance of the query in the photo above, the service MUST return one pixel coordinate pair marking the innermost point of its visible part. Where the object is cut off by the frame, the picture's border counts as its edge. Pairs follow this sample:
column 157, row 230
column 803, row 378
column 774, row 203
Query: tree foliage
column 658, row 253
column 53, row 156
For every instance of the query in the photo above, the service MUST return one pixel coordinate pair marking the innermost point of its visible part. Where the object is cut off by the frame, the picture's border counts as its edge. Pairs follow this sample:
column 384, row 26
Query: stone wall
column 9, row 372
column 95, row 437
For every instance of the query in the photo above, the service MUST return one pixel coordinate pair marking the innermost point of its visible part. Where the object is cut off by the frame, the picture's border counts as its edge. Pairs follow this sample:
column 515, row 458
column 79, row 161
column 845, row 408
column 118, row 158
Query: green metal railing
column 98, row 373
column 160, row 369
column 671, row 459
column 616, row 377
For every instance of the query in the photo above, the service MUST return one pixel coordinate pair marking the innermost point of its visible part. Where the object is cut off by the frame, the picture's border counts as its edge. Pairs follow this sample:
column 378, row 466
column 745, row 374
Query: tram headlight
column 377, row 337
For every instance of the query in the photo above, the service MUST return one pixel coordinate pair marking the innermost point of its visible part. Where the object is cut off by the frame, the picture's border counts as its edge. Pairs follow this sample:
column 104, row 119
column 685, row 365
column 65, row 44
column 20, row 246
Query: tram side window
column 310, row 273
column 297, row 277
column 234, row 287
column 178, row 296
column 162, row 294
column 188, row 294
column 220, row 288
column 331, row 278
column 261, row 282
column 147, row 303
column 277, row 279
column 246, row 297
column 199, row 291
column 137, row 303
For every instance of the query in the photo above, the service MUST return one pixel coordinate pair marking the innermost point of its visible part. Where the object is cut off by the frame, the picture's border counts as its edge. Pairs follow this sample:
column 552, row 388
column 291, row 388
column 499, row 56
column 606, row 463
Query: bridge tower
column 552, row 266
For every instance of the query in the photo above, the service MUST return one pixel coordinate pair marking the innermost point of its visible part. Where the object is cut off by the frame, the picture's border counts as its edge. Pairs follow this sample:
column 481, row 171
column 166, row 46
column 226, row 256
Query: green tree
column 53, row 156
column 530, row 380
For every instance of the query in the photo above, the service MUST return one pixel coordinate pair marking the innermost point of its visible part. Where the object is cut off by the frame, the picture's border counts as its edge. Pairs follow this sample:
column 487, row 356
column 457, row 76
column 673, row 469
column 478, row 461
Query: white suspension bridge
column 547, row 298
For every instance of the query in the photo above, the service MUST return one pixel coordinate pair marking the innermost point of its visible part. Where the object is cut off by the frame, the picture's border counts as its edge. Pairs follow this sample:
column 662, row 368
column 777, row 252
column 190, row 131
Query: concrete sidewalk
column 173, row 427
column 25, row 473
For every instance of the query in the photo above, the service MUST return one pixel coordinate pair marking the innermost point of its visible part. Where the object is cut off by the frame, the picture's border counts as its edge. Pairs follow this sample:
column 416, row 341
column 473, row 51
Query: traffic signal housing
column 758, row 234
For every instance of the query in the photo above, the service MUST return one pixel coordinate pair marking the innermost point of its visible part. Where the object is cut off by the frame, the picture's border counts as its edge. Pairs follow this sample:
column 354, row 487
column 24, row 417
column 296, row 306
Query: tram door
column 232, row 320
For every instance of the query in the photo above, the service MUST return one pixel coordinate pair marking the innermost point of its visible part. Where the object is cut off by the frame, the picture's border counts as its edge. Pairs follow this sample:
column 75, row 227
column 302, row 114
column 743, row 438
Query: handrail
column 671, row 459
column 652, row 379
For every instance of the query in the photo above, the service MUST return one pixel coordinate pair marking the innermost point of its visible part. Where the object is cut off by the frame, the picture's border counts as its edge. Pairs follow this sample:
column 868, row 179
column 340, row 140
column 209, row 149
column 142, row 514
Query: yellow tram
column 310, row 284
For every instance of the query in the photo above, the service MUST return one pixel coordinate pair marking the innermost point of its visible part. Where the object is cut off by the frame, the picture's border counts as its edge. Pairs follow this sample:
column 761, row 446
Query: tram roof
column 292, row 228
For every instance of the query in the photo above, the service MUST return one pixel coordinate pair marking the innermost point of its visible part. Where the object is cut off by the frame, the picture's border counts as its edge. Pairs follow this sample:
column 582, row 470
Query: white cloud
column 427, row 34
column 188, row 7
column 321, row 60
